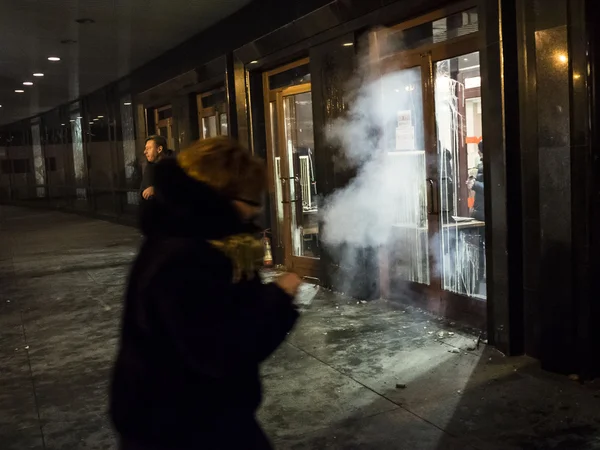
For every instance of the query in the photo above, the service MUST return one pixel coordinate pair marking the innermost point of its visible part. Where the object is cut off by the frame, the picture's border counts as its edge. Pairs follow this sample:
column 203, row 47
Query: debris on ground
column 400, row 386
column 454, row 350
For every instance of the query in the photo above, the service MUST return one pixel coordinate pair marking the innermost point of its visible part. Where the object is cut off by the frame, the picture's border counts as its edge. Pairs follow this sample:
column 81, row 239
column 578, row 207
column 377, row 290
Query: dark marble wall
column 558, row 175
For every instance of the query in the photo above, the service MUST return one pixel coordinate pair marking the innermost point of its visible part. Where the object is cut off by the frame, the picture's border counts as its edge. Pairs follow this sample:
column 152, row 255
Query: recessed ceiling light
column 253, row 62
column 348, row 44
column 53, row 58
column 127, row 103
column 38, row 74
column 19, row 91
column 62, row 124
column 72, row 120
column 0, row 106
column 27, row 83
column 100, row 117
column 79, row 117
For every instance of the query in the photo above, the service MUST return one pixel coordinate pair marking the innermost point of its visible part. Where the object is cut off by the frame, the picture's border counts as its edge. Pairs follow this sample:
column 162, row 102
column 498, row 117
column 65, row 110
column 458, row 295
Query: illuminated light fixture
column 72, row 120
column 79, row 117
column 563, row 58
column 127, row 103
column 253, row 62
column 96, row 119
column 348, row 44
column 27, row 83
column 19, row 91
column 0, row 106
column 100, row 117
column 53, row 58
column 473, row 82
column 62, row 124
column 38, row 74
column 576, row 76
column 466, row 59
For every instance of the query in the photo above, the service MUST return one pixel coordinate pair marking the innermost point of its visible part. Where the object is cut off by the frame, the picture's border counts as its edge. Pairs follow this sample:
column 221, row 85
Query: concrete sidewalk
column 352, row 375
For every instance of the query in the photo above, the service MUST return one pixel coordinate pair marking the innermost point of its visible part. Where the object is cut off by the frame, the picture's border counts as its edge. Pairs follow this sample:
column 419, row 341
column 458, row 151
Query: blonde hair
column 226, row 166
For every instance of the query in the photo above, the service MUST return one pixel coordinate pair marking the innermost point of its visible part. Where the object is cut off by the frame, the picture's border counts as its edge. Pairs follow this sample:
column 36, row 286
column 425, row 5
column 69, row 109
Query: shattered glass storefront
column 430, row 94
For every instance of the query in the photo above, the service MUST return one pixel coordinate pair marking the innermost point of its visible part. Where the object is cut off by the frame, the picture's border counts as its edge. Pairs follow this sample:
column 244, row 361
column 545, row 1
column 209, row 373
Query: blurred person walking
column 198, row 320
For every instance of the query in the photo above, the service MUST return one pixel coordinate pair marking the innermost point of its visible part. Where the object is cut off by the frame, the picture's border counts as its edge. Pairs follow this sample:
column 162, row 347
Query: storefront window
column 460, row 150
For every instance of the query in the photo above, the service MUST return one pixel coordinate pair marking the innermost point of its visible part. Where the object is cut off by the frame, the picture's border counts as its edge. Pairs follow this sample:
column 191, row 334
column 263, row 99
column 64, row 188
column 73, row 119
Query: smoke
column 384, row 205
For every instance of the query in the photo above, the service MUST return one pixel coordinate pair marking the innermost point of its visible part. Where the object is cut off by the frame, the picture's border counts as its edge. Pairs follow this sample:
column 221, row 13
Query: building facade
column 442, row 154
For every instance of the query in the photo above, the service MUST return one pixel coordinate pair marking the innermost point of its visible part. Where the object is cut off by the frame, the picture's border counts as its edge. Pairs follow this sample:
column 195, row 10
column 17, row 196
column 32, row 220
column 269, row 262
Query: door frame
column 165, row 123
column 217, row 110
column 447, row 303
column 306, row 267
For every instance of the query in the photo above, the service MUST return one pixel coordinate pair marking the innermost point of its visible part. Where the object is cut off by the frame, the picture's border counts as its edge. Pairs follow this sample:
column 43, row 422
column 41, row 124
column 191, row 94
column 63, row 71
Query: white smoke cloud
column 381, row 137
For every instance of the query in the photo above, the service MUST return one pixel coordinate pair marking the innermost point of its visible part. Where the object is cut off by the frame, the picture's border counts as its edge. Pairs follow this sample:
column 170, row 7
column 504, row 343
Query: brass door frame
column 165, row 123
column 429, row 55
column 217, row 110
column 303, row 266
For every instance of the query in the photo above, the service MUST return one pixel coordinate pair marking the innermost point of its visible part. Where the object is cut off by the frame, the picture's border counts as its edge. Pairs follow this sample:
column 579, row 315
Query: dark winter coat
column 187, row 371
column 478, row 187
column 148, row 175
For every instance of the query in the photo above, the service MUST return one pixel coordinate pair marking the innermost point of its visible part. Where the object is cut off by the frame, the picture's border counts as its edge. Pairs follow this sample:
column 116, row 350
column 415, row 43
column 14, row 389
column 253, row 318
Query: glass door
column 431, row 104
column 457, row 92
column 164, row 124
column 212, row 113
column 408, row 176
column 293, row 186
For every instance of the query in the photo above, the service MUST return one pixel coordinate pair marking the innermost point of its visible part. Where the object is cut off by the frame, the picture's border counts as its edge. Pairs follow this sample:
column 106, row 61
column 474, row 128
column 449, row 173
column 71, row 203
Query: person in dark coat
column 477, row 185
column 155, row 150
column 198, row 320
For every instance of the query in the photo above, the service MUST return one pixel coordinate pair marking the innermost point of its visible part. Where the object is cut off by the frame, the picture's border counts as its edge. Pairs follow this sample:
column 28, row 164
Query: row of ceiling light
column 37, row 74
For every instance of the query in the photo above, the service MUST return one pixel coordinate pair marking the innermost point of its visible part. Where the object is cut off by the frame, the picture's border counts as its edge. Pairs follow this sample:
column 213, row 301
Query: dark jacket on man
column 187, row 372
column 148, row 175
column 478, row 187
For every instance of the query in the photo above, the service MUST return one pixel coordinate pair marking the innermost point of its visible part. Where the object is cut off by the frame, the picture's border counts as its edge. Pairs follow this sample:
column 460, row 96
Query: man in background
column 154, row 151
column 477, row 185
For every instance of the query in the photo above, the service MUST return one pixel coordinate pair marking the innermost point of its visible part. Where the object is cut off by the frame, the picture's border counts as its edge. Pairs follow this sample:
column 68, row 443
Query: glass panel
column 293, row 77
column 456, row 25
column 460, row 146
column 277, row 173
column 130, row 161
column 38, row 160
column 165, row 113
column 214, row 99
column 405, row 177
column 223, row 123
column 299, row 138
column 209, row 125
column 78, row 157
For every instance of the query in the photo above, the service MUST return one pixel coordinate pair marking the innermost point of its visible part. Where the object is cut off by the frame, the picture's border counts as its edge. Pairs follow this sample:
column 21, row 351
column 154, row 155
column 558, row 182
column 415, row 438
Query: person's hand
column 290, row 283
column 470, row 183
column 148, row 192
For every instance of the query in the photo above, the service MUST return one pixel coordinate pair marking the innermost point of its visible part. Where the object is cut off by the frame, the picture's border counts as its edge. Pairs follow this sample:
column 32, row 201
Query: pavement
column 352, row 375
